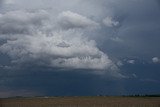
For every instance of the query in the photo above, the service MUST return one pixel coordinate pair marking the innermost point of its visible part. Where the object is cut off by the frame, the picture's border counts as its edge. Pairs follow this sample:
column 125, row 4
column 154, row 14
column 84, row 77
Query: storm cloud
column 31, row 38
column 71, row 42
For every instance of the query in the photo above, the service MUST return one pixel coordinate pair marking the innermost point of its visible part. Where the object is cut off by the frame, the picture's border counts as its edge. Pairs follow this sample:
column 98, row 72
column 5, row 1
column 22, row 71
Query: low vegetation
column 99, row 101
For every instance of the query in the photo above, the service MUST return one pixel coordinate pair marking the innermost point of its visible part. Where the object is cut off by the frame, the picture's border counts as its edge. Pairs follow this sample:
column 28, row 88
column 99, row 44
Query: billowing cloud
column 29, row 39
column 77, row 52
column 70, row 20
column 21, row 22
column 110, row 22
column 155, row 60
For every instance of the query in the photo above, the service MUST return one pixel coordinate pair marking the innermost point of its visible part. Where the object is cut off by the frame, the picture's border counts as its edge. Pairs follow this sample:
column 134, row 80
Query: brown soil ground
column 82, row 102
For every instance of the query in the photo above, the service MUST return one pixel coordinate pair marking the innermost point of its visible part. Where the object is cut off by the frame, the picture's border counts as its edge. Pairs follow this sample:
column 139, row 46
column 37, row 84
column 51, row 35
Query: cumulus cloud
column 110, row 22
column 21, row 22
column 29, row 41
column 79, row 53
column 155, row 60
column 70, row 20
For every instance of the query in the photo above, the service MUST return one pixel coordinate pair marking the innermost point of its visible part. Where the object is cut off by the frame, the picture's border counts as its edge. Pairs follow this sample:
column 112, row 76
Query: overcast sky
column 79, row 47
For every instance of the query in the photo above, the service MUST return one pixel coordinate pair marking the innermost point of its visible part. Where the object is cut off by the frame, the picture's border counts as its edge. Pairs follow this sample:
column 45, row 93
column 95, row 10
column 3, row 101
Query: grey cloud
column 70, row 20
column 137, row 34
column 1, row 4
column 109, row 22
column 128, row 36
column 78, row 55
column 21, row 22
column 7, row 1
column 1, row 1
column 45, row 46
column 63, row 44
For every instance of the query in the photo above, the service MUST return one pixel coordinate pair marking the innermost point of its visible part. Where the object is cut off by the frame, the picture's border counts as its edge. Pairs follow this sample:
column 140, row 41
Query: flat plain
column 81, row 102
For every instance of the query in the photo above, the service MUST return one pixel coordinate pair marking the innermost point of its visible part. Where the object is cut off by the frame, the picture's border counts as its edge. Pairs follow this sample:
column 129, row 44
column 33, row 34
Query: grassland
column 82, row 102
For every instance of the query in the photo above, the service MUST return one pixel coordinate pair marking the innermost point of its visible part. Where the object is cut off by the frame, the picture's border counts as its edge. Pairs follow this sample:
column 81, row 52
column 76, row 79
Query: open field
column 82, row 102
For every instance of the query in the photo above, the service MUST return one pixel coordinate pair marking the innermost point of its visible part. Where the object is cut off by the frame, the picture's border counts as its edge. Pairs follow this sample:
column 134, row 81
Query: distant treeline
column 136, row 95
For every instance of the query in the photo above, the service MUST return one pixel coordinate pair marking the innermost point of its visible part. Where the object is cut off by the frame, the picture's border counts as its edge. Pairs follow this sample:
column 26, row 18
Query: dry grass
column 82, row 102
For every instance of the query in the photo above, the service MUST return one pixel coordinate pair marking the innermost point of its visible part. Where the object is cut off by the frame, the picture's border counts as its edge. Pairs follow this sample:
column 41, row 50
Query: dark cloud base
column 77, row 83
